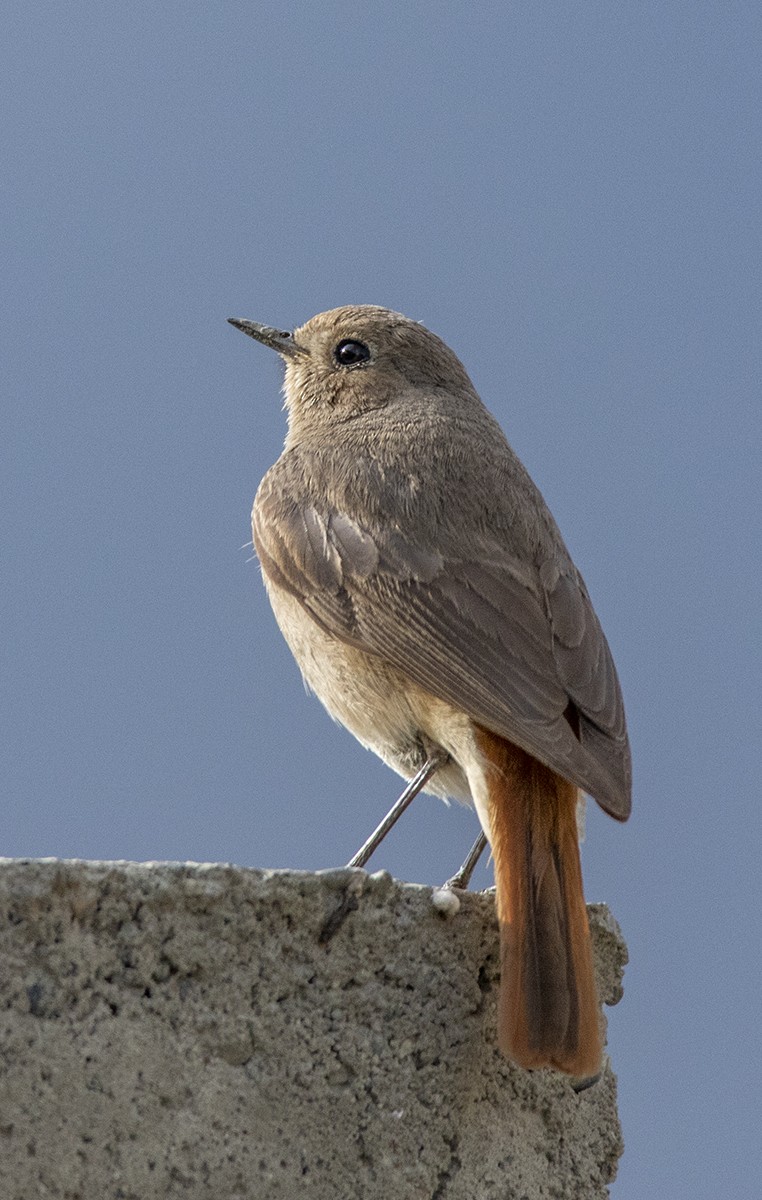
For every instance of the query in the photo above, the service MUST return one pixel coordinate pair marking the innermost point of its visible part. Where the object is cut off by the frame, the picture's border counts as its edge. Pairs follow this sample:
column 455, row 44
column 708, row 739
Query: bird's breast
column 387, row 713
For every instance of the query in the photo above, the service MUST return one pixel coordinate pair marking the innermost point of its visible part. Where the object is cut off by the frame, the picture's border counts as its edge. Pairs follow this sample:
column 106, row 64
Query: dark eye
column 349, row 352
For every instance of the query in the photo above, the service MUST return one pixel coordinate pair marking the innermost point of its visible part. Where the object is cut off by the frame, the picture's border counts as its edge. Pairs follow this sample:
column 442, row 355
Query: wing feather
column 510, row 643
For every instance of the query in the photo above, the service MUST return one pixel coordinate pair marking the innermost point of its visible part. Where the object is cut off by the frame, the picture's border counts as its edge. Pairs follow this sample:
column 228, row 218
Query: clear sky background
column 569, row 194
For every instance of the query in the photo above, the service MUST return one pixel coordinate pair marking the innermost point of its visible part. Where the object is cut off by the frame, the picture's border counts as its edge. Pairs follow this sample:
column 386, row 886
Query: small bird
column 426, row 593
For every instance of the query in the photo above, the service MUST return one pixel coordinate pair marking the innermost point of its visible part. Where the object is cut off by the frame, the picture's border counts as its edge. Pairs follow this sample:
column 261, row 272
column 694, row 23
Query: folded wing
column 516, row 646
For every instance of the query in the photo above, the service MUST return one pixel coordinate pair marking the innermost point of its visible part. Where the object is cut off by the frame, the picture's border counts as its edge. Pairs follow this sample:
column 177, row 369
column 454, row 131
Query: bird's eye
column 349, row 352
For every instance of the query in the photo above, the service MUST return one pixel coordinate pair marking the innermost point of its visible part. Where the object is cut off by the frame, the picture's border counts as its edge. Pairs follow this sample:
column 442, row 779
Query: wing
column 517, row 647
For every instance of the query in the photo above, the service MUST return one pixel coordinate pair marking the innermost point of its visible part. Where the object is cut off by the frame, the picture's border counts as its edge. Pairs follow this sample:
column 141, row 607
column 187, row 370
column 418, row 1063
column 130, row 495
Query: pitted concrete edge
column 210, row 1031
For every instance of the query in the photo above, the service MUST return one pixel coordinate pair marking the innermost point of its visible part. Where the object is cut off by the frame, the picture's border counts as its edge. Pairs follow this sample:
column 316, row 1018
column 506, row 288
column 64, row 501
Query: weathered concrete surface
column 205, row 1031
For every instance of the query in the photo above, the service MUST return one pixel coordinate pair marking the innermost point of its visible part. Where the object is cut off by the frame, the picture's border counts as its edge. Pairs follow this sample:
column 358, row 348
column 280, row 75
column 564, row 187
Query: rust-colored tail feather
column 548, row 1003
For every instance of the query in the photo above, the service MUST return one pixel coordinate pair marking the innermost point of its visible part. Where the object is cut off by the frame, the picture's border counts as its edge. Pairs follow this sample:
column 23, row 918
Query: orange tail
column 548, row 1002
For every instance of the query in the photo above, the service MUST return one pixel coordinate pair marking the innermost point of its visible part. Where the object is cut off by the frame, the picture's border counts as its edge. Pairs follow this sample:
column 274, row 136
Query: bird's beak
column 278, row 339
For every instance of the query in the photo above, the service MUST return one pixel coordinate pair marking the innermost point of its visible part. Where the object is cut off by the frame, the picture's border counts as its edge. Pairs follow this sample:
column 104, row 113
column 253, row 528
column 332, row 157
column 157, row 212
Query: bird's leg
column 434, row 761
column 462, row 878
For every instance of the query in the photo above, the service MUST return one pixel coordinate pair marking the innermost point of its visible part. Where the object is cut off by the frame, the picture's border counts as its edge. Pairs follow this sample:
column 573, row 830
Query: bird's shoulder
column 442, row 483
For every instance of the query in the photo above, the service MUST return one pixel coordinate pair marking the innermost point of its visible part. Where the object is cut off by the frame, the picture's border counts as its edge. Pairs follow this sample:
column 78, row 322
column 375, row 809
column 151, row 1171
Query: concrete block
column 207, row 1031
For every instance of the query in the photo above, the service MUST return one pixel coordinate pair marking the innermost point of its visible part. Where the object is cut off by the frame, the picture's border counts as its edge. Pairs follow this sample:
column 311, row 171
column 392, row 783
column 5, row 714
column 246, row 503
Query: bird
column 428, row 597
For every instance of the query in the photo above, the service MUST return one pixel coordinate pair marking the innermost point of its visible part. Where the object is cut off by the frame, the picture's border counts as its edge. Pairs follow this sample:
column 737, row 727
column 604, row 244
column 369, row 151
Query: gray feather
column 510, row 643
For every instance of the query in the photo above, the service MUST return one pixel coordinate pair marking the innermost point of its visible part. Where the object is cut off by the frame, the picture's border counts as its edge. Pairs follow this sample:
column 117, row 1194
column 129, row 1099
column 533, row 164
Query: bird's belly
column 387, row 712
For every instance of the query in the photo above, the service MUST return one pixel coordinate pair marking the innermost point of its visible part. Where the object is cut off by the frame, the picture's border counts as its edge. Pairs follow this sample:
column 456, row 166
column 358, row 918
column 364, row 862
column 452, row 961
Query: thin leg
column 418, row 782
column 462, row 878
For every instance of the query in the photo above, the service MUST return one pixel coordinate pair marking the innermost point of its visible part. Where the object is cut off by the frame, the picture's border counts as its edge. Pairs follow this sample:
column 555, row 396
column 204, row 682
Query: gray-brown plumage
column 428, row 597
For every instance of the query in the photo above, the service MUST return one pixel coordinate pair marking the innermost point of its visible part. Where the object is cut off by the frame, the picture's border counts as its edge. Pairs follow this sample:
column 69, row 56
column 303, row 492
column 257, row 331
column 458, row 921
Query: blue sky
column 570, row 196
